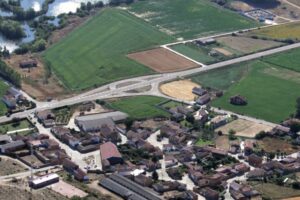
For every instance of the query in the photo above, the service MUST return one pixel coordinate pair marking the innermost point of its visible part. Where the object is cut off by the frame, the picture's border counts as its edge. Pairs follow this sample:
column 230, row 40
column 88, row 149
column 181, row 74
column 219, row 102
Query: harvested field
column 276, row 144
column 67, row 190
column 247, row 45
column 244, row 128
column 10, row 166
column 181, row 89
column 284, row 31
column 162, row 60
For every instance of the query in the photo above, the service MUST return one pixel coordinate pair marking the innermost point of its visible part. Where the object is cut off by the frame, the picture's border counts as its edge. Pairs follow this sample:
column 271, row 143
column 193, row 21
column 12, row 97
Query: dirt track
column 180, row 89
column 162, row 60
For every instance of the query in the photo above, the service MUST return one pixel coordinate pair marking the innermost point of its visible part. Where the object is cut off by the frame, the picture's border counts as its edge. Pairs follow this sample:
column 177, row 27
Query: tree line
column 9, row 74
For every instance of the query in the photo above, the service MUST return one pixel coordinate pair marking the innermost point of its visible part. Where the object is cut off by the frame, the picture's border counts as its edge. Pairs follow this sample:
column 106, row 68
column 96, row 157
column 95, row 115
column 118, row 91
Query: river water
column 56, row 8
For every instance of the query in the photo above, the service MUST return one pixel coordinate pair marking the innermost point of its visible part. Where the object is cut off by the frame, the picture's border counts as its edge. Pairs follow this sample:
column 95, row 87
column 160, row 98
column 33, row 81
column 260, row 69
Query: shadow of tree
column 264, row 4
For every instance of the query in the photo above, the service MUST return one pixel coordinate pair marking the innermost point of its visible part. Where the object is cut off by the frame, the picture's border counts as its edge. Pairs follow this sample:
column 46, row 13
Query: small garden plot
column 274, row 145
column 244, row 128
column 20, row 126
column 63, row 115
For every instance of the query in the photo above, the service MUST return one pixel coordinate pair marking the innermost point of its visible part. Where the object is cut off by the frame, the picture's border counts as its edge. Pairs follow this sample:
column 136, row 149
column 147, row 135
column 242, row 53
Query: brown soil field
column 181, row 89
column 274, row 144
column 222, row 142
column 34, row 81
column 244, row 128
column 14, row 193
column 9, row 166
column 246, row 44
column 162, row 60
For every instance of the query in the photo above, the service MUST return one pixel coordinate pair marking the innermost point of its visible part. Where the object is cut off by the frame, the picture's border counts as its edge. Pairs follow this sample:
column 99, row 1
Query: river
column 56, row 8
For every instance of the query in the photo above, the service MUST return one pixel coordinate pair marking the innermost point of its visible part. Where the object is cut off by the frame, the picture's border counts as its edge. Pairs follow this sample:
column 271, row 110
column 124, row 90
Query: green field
column 95, row 53
column 190, row 18
column 289, row 60
column 223, row 78
column 270, row 91
column 194, row 52
column 3, row 89
column 140, row 107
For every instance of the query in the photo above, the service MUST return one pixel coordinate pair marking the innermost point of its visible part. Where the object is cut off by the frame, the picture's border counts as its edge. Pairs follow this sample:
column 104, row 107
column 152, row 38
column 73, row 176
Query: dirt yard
column 10, row 166
column 67, row 190
column 245, row 44
column 275, row 144
column 162, row 60
column 181, row 89
column 244, row 128
column 15, row 193
column 222, row 142
column 34, row 81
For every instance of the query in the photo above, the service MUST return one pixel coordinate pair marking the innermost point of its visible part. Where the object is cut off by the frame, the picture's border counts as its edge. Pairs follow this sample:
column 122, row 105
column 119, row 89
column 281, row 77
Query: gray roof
column 142, row 191
column 5, row 138
column 120, row 190
column 96, row 121
column 16, row 143
column 127, row 188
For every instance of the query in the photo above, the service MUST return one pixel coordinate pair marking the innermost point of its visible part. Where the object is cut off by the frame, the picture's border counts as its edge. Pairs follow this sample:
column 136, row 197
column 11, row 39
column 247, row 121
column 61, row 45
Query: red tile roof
column 109, row 150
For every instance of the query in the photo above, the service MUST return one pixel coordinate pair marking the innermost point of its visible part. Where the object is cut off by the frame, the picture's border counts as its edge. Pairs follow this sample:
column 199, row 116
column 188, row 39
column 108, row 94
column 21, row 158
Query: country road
column 104, row 92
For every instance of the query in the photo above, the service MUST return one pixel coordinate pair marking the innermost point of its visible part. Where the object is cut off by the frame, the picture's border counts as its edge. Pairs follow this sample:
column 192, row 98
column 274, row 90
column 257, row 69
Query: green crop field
column 223, row 78
column 190, row 18
column 95, row 53
column 269, row 89
column 289, row 60
column 140, row 106
column 194, row 52
column 3, row 89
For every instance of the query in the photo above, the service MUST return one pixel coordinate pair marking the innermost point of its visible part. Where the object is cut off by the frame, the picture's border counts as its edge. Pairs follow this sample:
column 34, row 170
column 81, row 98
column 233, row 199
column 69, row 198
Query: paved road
column 139, row 82
column 24, row 174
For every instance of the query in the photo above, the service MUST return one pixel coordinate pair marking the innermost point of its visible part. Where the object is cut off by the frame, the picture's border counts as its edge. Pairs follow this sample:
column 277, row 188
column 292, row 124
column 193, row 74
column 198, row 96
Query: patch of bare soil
column 35, row 80
column 181, row 89
column 162, row 60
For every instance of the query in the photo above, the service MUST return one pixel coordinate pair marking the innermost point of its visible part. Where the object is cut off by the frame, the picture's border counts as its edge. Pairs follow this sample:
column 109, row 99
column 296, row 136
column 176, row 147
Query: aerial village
column 151, row 158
